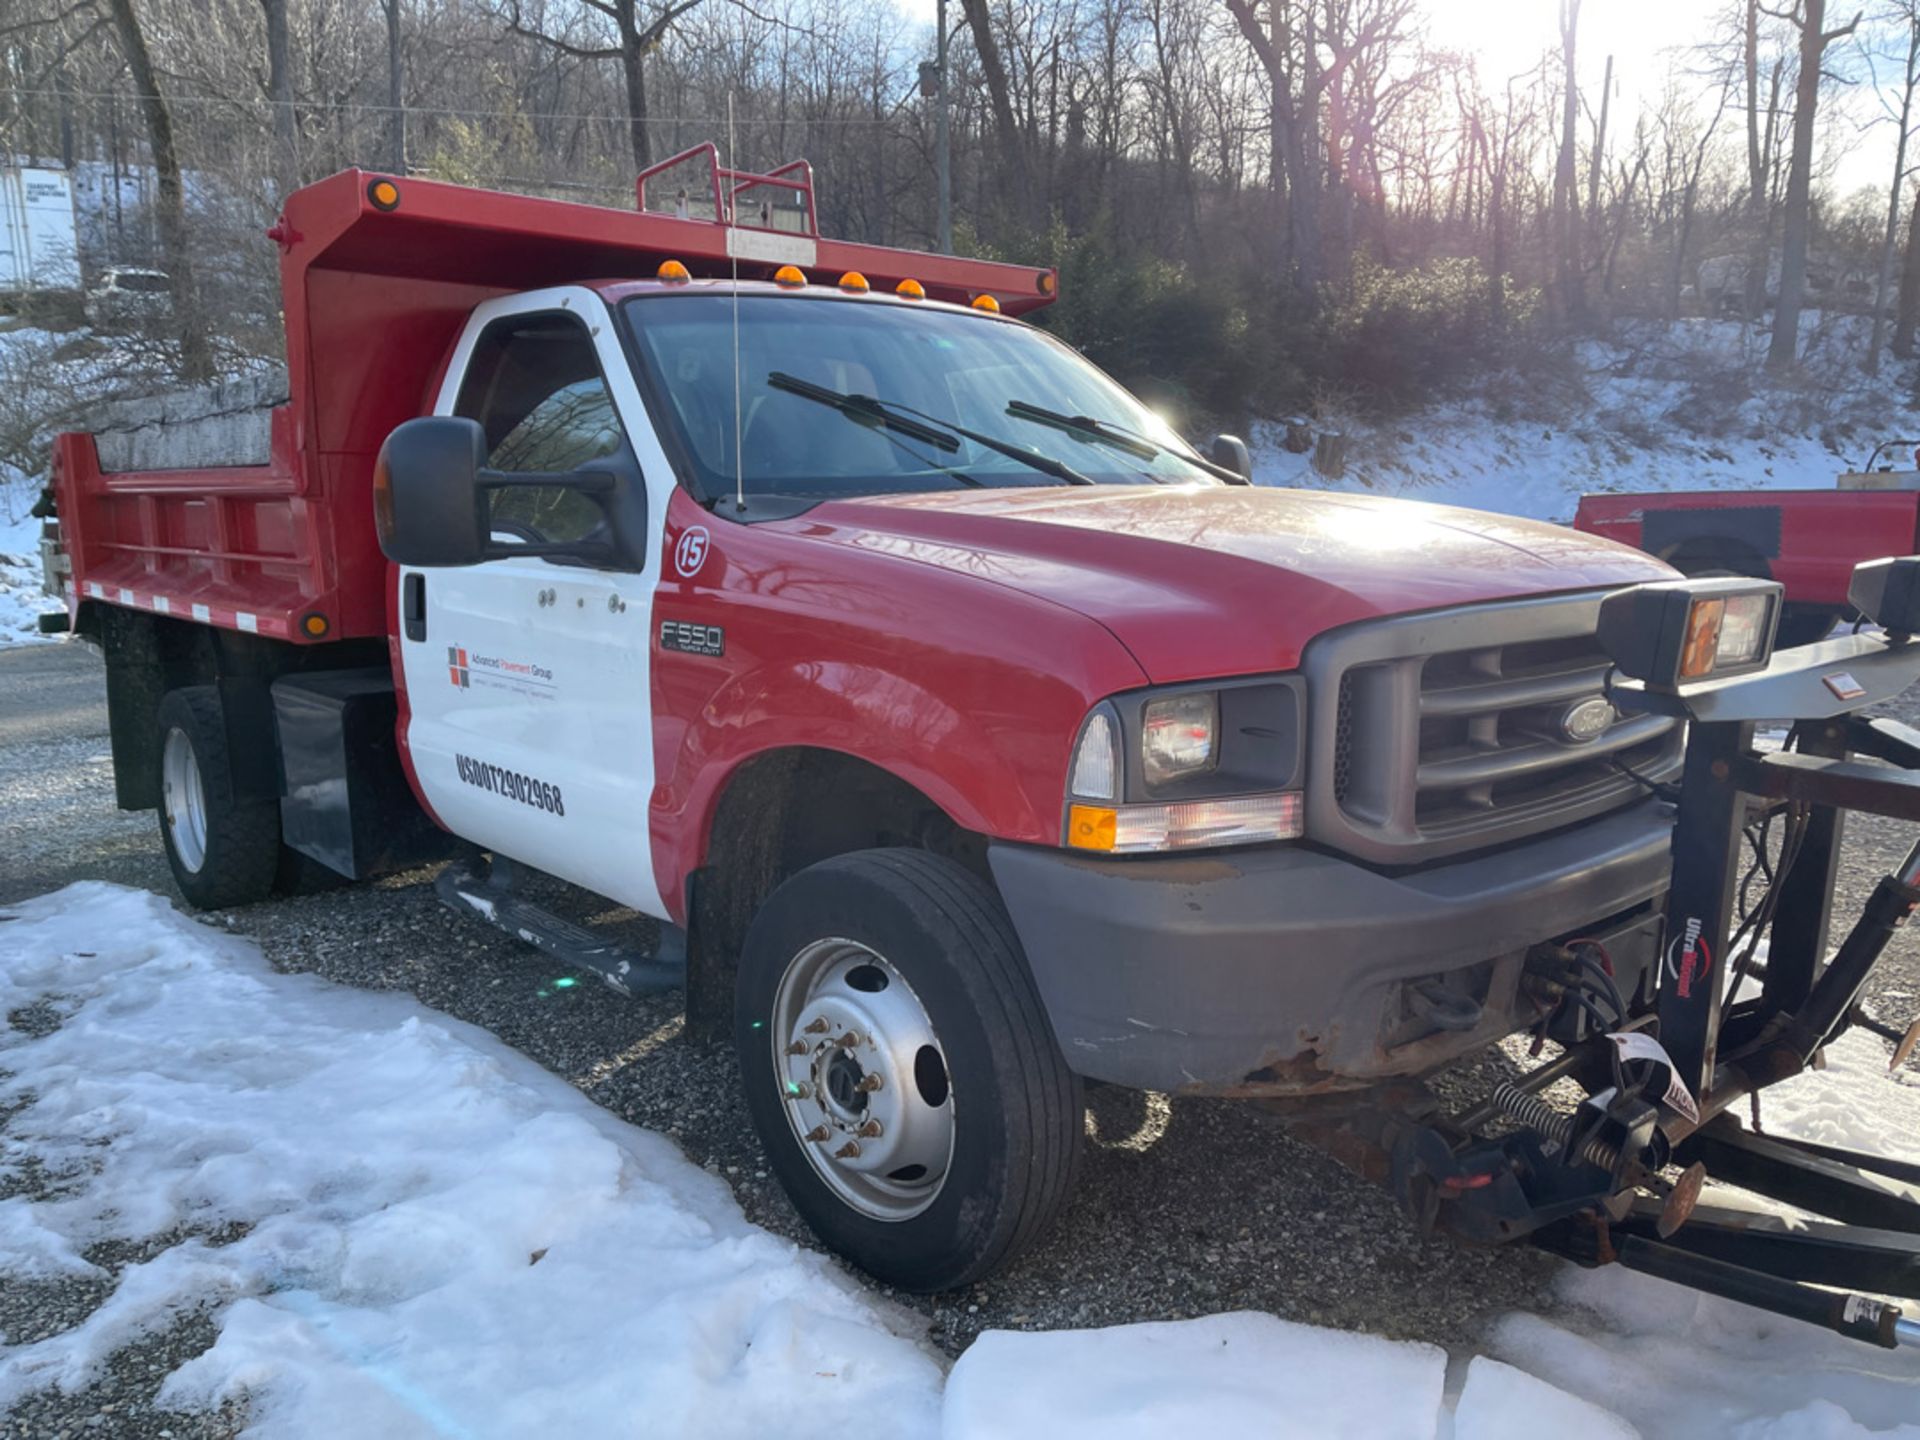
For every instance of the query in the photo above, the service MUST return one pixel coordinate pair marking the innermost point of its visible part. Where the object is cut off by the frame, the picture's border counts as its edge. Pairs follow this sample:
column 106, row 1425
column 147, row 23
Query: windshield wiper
column 1118, row 436
column 939, row 433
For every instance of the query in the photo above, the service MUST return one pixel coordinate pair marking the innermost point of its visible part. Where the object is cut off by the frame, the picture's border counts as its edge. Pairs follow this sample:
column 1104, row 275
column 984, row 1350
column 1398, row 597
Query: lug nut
column 797, row 1047
column 818, row 1026
column 799, row 1090
column 870, row 1130
column 848, row 1151
column 869, row 1083
column 819, row 1134
column 849, row 1040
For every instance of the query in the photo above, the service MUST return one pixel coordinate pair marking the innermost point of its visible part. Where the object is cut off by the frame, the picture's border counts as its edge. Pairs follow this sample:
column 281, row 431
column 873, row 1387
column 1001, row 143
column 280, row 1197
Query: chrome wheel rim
column 184, row 800
column 863, row 1079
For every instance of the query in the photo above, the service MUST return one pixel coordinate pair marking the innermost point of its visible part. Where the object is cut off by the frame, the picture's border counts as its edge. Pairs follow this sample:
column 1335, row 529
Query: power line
column 263, row 103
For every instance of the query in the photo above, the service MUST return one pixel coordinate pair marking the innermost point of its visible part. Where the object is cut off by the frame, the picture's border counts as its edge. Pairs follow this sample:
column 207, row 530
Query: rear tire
column 963, row 1117
column 223, row 848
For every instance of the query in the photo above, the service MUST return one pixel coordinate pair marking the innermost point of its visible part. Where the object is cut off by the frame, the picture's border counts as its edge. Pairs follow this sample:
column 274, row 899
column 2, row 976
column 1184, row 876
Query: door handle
column 413, row 606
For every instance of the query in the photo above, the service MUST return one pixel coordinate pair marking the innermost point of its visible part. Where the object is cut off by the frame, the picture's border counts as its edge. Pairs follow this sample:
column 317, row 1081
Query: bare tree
column 196, row 354
column 1811, row 19
column 1902, row 19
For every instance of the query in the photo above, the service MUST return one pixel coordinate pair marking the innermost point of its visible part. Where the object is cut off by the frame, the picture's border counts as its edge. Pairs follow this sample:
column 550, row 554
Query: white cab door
column 531, row 729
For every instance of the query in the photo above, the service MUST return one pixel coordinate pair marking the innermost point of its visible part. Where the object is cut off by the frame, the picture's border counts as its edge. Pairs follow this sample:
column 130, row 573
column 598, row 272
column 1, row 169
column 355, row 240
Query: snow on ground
column 22, row 601
column 1663, row 407
column 407, row 1229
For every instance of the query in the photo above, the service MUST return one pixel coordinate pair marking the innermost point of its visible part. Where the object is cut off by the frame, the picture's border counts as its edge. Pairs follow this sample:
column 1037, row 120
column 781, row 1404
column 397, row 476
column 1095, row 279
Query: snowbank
column 405, row 1228
column 22, row 602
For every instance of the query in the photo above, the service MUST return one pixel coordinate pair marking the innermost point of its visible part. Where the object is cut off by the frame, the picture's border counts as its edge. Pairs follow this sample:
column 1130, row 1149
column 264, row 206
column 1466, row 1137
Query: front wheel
column 900, row 1069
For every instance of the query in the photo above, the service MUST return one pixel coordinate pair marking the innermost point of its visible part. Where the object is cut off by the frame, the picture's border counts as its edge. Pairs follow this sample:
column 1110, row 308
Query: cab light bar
column 1186, row 825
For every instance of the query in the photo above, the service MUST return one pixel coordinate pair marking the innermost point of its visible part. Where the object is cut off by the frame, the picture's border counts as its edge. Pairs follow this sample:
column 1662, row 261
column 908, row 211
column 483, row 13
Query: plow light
column 1887, row 592
column 1673, row 632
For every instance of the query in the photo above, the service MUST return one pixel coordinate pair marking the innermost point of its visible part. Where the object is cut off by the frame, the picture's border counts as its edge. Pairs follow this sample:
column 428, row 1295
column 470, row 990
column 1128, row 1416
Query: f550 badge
column 691, row 639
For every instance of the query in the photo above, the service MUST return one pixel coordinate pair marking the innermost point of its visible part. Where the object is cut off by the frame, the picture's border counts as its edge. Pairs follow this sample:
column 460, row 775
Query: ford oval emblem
column 1587, row 720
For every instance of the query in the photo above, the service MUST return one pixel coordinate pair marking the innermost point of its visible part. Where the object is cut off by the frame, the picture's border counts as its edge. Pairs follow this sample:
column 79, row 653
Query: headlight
column 1177, row 737
column 1887, row 592
column 1188, row 769
column 1675, row 631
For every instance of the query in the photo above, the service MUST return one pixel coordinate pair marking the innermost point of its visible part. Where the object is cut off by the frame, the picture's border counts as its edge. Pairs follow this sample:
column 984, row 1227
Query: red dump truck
column 968, row 732
column 1808, row 540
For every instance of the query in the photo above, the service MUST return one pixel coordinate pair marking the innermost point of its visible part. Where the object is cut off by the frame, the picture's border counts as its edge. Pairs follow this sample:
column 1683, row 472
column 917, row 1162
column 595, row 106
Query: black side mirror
column 1230, row 452
column 427, row 502
column 431, row 502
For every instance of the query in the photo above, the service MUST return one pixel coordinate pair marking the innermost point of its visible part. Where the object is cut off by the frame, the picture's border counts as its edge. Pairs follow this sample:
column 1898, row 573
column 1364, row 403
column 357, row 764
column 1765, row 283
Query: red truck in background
column 1808, row 540
column 968, row 733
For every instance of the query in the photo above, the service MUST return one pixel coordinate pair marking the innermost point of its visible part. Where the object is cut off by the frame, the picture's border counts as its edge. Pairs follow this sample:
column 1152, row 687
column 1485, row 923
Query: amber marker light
column 789, row 277
column 987, row 303
column 911, row 289
column 1092, row 827
column 315, row 625
column 384, row 194
column 672, row 272
column 1047, row 283
column 1703, row 638
column 854, row 283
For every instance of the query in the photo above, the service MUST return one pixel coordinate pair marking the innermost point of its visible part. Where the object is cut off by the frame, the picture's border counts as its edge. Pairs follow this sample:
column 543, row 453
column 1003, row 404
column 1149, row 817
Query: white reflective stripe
column 126, row 597
column 95, row 589
column 248, row 622
column 772, row 247
column 200, row 612
column 161, row 604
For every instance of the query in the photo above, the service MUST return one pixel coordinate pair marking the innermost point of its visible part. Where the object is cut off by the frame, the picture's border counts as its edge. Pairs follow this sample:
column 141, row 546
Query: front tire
column 223, row 848
column 900, row 1069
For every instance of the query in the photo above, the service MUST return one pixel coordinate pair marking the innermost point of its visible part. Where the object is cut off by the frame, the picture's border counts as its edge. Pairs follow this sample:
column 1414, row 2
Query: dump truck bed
column 276, row 537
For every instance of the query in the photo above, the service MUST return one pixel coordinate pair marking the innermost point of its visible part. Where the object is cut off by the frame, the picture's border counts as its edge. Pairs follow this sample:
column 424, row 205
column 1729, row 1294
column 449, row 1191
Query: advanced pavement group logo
column 457, row 666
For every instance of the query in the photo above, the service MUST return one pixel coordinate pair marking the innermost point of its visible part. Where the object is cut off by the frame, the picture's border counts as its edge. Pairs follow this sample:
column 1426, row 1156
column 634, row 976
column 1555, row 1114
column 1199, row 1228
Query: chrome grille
column 1443, row 732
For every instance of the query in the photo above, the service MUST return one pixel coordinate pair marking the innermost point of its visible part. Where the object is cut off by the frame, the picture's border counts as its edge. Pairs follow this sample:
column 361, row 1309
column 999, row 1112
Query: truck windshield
column 966, row 372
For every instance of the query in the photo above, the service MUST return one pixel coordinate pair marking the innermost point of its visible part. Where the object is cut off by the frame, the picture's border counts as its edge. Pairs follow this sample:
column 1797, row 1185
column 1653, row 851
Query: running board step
column 631, row 972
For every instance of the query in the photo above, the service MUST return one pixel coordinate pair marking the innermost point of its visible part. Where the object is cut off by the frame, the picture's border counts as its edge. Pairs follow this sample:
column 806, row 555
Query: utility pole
column 941, row 144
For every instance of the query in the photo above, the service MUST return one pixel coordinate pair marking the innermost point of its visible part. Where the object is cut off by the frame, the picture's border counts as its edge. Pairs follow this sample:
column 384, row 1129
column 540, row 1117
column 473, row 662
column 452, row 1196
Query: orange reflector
column 790, row 276
column 384, row 194
column 314, row 624
column 912, row 289
column 1092, row 827
column 1703, row 638
column 987, row 303
column 854, row 283
column 673, row 272
column 1047, row 282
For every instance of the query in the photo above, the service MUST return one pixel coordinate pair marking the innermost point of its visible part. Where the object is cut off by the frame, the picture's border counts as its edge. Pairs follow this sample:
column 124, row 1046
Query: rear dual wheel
column 223, row 847
column 900, row 1069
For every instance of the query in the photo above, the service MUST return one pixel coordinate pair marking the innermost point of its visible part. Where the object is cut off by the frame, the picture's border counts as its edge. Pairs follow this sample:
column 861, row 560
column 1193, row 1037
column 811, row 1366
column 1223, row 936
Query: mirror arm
column 587, row 482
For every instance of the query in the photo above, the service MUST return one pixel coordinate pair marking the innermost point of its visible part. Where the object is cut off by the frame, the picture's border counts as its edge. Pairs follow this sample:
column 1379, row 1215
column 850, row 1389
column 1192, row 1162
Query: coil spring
column 1533, row 1112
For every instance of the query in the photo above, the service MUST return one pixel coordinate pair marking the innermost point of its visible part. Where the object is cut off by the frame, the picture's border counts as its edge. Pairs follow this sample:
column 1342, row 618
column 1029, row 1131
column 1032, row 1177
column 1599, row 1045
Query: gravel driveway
column 1183, row 1208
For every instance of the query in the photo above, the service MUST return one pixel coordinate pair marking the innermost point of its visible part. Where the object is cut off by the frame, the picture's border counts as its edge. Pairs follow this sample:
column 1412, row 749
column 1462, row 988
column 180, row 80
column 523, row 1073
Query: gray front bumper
column 1277, row 969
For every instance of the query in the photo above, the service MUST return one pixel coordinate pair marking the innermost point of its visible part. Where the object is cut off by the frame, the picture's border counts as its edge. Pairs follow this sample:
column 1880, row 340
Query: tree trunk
column 396, row 93
column 1797, row 220
column 286, row 151
column 196, row 355
column 633, row 71
column 1570, row 292
column 1754, row 291
column 1891, row 241
column 1013, row 150
column 1907, row 318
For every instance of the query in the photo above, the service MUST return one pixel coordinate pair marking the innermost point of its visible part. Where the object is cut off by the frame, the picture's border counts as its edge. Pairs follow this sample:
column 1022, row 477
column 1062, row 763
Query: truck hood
column 1205, row 581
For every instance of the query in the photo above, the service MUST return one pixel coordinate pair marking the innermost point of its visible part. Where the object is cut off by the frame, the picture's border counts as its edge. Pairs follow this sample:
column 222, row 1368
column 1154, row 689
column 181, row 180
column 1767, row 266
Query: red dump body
column 374, row 300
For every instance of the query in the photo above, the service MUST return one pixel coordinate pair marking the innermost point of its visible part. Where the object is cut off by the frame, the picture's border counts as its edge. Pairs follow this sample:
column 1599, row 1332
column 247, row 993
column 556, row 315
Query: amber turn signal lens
column 1092, row 827
column 854, row 283
column 912, row 289
column 384, row 194
column 1702, row 646
column 790, row 276
column 314, row 624
column 1048, row 282
column 987, row 303
column 672, row 272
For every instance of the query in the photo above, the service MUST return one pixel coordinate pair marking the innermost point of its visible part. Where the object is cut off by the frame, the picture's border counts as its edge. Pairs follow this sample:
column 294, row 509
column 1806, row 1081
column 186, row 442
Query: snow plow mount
column 1620, row 1178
